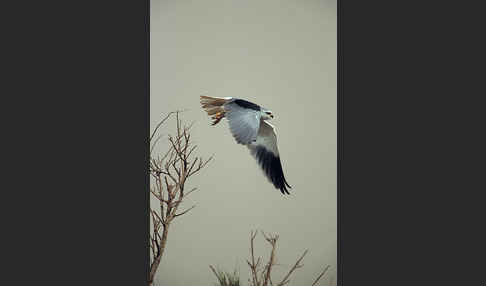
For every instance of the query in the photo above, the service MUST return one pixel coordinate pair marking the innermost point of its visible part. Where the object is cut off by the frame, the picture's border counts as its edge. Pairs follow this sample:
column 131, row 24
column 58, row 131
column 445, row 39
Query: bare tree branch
column 320, row 276
column 160, row 123
column 253, row 265
column 296, row 265
column 155, row 143
column 262, row 276
column 268, row 269
column 179, row 214
column 170, row 173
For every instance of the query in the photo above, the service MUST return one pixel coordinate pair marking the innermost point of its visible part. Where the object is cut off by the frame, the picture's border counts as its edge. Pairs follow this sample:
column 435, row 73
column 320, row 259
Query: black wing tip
column 278, row 179
column 284, row 189
column 272, row 167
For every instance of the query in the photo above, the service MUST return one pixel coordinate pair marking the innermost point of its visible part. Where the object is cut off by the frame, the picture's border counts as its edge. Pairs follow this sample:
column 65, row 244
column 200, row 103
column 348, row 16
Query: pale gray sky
column 278, row 54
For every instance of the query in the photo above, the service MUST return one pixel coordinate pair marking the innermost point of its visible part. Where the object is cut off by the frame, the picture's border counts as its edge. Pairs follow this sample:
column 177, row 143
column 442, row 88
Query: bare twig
column 272, row 239
column 296, row 265
column 253, row 265
column 262, row 276
column 320, row 276
column 160, row 123
column 179, row 214
column 170, row 173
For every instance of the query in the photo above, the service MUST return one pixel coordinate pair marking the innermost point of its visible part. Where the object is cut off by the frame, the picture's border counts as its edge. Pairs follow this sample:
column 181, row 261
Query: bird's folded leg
column 217, row 117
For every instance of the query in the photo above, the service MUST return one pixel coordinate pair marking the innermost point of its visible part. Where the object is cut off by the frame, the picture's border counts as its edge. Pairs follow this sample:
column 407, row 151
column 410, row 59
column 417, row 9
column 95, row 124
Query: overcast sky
column 278, row 54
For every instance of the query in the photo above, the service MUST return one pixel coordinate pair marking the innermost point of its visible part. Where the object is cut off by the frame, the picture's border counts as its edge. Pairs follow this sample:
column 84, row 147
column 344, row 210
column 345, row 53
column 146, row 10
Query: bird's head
column 266, row 114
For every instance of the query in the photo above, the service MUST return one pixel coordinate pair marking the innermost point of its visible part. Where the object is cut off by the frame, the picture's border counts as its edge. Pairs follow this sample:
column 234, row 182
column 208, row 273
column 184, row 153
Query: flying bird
column 248, row 125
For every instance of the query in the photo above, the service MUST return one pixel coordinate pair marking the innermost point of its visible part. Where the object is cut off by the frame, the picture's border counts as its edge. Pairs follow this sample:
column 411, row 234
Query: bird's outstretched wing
column 244, row 123
column 265, row 151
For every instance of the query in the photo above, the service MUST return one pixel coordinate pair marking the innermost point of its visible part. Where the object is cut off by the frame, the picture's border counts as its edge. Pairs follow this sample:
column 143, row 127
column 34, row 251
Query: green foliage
column 226, row 278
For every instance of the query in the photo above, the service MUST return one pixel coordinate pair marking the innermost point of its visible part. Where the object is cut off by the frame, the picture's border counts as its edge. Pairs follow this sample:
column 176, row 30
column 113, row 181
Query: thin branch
column 160, row 123
column 179, row 214
column 253, row 265
column 190, row 151
column 296, row 265
column 170, row 173
column 320, row 276
column 158, row 217
column 155, row 143
column 154, row 193
column 273, row 242
column 188, row 193
column 192, row 166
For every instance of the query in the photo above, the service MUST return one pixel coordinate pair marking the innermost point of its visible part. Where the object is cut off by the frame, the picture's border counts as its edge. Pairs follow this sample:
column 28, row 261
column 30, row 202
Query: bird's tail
column 214, row 107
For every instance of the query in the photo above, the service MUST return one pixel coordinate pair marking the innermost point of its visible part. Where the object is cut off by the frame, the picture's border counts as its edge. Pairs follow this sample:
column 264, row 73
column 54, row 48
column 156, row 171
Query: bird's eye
column 268, row 113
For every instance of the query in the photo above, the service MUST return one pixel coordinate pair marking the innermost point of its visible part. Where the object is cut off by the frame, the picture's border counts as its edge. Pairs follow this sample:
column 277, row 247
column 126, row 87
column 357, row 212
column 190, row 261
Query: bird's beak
column 271, row 115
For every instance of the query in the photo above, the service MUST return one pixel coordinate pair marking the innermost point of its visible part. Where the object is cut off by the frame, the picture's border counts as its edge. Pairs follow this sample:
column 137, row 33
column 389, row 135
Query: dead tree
column 170, row 173
column 261, row 275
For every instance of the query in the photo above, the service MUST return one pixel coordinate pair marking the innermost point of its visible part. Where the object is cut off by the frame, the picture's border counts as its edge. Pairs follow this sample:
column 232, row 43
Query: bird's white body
column 248, row 125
